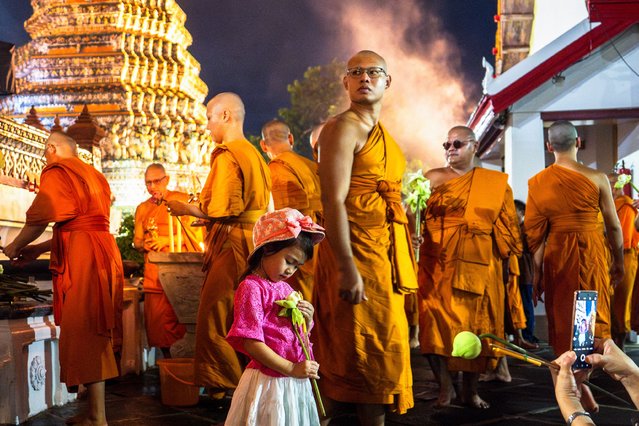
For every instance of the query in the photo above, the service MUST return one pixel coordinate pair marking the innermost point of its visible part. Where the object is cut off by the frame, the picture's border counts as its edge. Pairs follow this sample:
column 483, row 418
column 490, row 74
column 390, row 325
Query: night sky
column 257, row 47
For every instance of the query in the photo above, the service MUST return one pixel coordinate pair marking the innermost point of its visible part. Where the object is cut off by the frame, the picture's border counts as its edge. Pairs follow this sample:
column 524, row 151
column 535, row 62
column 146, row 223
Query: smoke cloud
column 427, row 94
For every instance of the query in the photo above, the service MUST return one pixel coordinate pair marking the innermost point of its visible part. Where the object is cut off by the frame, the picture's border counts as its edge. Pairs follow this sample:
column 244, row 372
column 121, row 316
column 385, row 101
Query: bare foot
column 500, row 373
column 78, row 418
column 84, row 420
column 445, row 397
column 588, row 400
column 475, row 401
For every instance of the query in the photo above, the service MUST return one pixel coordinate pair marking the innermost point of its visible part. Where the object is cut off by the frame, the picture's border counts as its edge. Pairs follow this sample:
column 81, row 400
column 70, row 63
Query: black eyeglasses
column 154, row 181
column 455, row 144
column 373, row 72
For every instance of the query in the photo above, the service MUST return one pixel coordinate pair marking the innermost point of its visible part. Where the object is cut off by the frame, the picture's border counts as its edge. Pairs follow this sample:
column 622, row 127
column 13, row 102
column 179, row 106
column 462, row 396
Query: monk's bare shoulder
column 344, row 130
column 439, row 176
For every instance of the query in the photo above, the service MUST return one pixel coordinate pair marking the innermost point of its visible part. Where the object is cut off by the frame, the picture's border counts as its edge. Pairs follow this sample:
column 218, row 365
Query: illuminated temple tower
column 127, row 61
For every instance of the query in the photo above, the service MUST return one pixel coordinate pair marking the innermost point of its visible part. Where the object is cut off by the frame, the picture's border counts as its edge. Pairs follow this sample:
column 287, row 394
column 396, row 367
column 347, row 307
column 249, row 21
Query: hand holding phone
column 584, row 315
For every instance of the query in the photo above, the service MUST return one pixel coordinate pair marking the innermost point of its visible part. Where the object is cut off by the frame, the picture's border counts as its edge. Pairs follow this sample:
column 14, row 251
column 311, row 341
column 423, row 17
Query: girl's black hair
column 304, row 241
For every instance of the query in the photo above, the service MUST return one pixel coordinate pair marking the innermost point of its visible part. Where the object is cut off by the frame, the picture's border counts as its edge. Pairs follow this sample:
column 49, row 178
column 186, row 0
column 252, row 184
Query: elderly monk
column 471, row 228
column 86, row 267
column 621, row 299
column 236, row 193
column 366, row 266
column 151, row 233
column 564, row 233
column 295, row 185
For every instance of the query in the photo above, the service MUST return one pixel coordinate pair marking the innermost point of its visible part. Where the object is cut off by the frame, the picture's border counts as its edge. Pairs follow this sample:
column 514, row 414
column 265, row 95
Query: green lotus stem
column 313, row 381
column 418, row 229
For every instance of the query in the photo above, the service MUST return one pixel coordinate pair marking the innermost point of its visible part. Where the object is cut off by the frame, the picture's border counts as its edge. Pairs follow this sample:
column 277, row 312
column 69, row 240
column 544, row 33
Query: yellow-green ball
column 466, row 345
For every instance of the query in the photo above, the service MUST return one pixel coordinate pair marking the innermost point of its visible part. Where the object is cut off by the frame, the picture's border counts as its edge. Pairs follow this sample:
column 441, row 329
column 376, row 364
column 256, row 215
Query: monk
column 564, row 233
column 471, row 228
column 86, row 267
column 366, row 266
column 236, row 193
column 621, row 299
column 296, row 185
column 151, row 233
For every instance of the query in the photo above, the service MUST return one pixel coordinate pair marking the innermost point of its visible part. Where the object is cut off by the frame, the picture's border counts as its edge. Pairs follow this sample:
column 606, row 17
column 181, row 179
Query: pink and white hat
column 284, row 224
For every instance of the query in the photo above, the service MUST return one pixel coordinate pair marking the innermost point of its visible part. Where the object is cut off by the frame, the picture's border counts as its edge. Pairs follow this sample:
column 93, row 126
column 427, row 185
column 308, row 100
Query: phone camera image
column 584, row 319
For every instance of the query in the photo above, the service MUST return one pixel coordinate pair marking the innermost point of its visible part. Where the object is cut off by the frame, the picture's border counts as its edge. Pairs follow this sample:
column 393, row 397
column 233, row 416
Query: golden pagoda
column 127, row 62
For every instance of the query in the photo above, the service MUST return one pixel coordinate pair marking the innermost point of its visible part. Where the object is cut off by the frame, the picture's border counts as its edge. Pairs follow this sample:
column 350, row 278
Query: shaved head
column 367, row 54
column 156, row 167
column 64, row 143
column 463, row 131
column 562, row 136
column 231, row 102
column 275, row 131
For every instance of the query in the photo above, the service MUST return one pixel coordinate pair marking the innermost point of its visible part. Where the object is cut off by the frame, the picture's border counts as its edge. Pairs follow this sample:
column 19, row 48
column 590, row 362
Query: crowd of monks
column 365, row 282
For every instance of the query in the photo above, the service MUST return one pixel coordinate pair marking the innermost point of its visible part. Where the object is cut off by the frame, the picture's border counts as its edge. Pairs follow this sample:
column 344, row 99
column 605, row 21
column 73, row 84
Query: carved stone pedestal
column 29, row 367
column 181, row 277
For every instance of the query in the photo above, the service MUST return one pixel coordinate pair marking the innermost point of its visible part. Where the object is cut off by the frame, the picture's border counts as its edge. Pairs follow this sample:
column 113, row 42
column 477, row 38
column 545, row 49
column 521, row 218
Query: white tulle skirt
column 272, row 401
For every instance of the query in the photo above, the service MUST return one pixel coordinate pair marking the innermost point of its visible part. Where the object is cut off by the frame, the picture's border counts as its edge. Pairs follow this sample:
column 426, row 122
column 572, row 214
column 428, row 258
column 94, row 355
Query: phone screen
column 584, row 316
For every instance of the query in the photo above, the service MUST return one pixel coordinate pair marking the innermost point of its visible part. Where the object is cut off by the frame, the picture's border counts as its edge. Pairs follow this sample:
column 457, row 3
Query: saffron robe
column 471, row 227
column 86, row 267
column 563, row 210
column 513, row 294
column 236, row 194
column 621, row 299
column 152, row 221
column 296, row 185
column 363, row 349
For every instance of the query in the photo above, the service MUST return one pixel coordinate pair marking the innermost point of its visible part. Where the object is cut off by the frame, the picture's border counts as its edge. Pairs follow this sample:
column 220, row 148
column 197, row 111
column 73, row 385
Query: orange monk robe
column 563, row 211
column 237, row 193
column 513, row 295
column 471, row 225
column 152, row 221
column 621, row 299
column 363, row 349
column 296, row 185
column 86, row 267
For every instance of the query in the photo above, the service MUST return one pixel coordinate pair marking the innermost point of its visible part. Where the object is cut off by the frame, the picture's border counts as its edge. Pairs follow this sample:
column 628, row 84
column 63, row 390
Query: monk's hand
column 351, row 288
column 156, row 244
column 12, row 251
column 177, row 208
column 416, row 241
column 27, row 254
column 616, row 273
column 306, row 309
column 305, row 369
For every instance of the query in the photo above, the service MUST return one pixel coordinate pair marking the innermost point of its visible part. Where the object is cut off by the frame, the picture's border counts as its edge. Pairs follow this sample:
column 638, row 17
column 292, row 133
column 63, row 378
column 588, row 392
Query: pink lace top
column 255, row 317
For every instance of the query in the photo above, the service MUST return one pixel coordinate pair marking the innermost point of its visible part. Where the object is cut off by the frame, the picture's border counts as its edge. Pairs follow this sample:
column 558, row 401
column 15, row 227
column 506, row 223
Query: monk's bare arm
column 138, row 231
column 178, row 208
column 339, row 144
column 613, row 228
column 27, row 235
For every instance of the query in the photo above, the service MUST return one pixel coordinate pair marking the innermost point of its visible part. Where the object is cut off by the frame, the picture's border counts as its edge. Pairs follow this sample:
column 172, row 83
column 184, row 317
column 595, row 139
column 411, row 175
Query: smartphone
column 584, row 315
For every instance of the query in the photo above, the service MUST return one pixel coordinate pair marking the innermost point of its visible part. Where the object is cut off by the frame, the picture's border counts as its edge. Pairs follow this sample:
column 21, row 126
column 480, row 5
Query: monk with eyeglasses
column 151, row 233
column 365, row 268
column 470, row 228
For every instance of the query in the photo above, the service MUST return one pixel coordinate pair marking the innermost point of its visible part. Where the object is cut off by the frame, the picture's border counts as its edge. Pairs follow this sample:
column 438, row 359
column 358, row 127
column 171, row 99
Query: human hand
column 177, row 208
column 27, row 254
column 612, row 360
column 306, row 309
column 12, row 251
column 416, row 241
column 568, row 383
column 156, row 243
column 305, row 369
column 538, row 288
column 616, row 273
column 635, row 203
column 351, row 288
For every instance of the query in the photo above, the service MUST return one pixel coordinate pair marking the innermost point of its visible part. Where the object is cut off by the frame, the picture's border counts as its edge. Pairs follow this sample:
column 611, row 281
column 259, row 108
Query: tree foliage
column 314, row 98
column 125, row 240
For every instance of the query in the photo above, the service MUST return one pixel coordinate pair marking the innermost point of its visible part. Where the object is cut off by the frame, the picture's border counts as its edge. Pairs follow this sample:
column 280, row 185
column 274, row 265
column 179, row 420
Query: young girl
column 274, row 389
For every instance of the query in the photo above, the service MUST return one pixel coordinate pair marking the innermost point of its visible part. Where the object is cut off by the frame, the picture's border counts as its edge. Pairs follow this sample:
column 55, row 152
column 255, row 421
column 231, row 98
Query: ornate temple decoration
column 127, row 61
column 22, row 154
